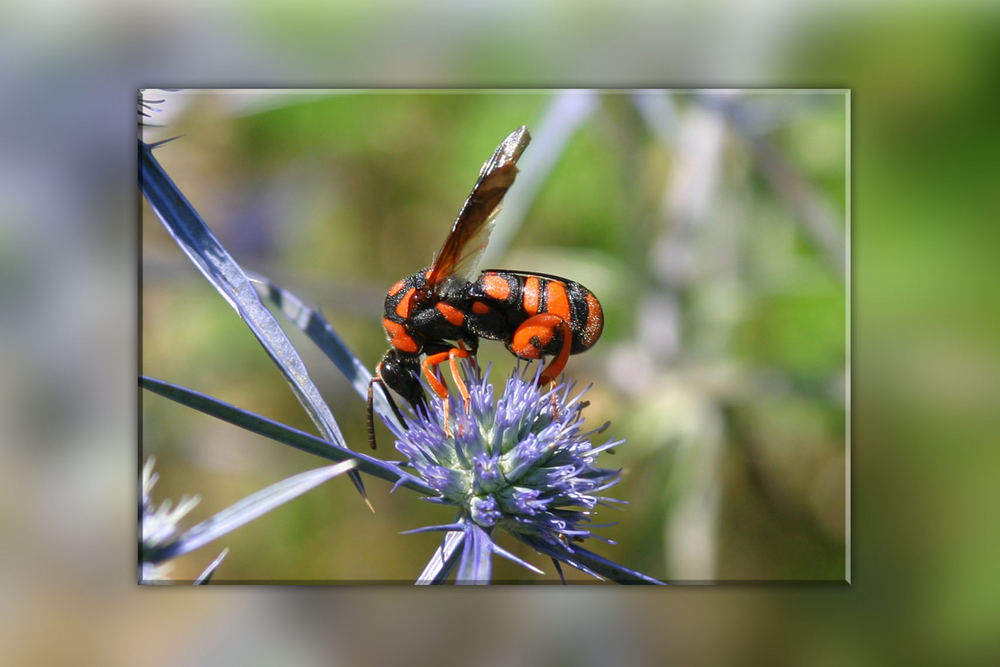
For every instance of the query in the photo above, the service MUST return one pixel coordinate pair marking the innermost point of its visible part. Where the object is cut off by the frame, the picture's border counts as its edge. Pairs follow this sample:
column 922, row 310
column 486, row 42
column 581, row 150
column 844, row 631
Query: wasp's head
column 400, row 371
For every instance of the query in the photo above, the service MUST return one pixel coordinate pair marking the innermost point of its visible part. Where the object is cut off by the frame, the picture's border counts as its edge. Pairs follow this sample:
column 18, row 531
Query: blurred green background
column 925, row 586
column 710, row 224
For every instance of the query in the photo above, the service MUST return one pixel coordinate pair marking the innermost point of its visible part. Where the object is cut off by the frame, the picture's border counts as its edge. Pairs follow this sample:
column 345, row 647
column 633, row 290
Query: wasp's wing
column 459, row 256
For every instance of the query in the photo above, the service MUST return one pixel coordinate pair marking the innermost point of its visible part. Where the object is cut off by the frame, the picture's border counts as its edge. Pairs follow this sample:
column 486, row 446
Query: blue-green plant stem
column 387, row 470
column 225, row 274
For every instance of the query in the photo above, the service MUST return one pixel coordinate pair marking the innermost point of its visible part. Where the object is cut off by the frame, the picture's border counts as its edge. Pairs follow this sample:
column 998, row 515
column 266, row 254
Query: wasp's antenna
column 370, row 412
column 371, row 409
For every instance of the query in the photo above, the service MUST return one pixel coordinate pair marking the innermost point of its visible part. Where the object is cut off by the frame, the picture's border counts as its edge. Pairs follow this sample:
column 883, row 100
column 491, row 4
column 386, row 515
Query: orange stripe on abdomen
column 556, row 300
column 595, row 321
column 496, row 287
column 531, row 295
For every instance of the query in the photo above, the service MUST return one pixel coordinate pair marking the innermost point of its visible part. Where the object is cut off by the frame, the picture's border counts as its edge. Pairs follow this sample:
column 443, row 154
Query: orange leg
column 452, row 357
column 432, row 379
column 471, row 357
column 535, row 333
column 438, row 385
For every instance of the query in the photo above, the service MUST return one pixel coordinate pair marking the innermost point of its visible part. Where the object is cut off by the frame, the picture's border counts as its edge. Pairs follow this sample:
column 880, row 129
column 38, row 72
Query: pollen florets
column 520, row 462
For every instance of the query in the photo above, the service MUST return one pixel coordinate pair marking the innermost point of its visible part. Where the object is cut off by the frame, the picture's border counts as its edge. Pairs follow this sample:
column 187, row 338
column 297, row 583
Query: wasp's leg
column 537, row 335
column 437, row 384
column 470, row 344
column 450, row 355
column 454, row 354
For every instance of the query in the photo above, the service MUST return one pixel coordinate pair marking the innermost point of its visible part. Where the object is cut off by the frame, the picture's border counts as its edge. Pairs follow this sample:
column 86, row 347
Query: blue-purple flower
column 522, row 462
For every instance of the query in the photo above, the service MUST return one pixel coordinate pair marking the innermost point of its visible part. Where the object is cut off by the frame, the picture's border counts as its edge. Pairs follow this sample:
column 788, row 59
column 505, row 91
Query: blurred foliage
column 337, row 195
column 925, row 154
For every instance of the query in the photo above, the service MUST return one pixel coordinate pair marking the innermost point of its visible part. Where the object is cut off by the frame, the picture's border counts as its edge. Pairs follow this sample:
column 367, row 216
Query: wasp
column 439, row 313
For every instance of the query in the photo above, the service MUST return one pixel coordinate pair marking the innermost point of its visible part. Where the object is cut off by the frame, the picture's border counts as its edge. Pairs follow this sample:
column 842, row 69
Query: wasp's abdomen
column 502, row 300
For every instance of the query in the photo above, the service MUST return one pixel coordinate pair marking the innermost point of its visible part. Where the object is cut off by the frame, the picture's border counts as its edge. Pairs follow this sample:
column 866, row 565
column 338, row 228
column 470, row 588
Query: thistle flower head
column 521, row 462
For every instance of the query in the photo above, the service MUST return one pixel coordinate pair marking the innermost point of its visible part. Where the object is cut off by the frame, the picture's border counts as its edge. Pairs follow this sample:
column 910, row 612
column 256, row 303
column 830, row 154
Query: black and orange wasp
column 440, row 312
